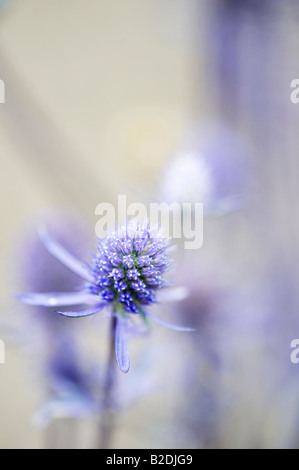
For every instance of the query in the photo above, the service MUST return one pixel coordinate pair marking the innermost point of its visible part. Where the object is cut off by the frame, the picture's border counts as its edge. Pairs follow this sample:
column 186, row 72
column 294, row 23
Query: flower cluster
column 129, row 268
column 126, row 274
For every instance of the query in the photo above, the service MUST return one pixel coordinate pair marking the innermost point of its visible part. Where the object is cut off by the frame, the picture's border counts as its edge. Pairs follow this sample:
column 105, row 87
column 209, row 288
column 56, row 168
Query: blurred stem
column 108, row 418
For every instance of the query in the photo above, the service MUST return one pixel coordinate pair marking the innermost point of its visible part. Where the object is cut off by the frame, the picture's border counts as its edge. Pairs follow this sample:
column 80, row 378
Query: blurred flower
column 126, row 275
column 191, row 168
column 210, row 168
column 71, row 391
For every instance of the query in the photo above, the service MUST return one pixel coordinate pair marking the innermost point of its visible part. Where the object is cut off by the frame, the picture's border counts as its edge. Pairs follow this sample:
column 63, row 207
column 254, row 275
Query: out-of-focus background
column 174, row 101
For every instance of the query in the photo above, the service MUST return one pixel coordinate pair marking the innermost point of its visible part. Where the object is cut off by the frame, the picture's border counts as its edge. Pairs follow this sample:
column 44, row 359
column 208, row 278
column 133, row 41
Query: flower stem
column 108, row 421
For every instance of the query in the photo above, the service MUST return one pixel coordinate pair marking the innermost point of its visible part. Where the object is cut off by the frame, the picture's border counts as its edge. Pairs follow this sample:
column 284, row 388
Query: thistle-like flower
column 126, row 275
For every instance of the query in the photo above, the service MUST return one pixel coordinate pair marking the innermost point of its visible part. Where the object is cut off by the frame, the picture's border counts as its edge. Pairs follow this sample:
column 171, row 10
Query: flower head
column 128, row 268
column 126, row 274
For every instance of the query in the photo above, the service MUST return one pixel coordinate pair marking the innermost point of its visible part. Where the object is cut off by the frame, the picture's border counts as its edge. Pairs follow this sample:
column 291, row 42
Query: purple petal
column 55, row 299
column 168, row 325
column 122, row 344
column 83, row 313
column 62, row 255
column 172, row 294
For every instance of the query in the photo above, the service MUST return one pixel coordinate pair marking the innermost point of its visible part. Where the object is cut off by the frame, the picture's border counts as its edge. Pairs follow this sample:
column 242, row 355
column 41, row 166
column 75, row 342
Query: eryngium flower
column 126, row 274
column 128, row 268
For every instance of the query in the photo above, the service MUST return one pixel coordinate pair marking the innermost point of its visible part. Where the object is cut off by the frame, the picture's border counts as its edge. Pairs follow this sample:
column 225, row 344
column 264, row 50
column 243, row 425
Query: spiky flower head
column 129, row 267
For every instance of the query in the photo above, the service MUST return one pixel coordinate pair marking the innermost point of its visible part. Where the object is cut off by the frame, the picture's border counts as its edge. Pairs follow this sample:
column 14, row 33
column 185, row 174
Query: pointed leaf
column 63, row 255
column 168, row 325
column 84, row 312
column 55, row 299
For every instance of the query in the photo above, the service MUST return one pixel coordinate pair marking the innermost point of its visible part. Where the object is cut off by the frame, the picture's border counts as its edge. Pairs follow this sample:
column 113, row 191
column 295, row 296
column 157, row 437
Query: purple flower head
column 127, row 289
column 138, row 275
